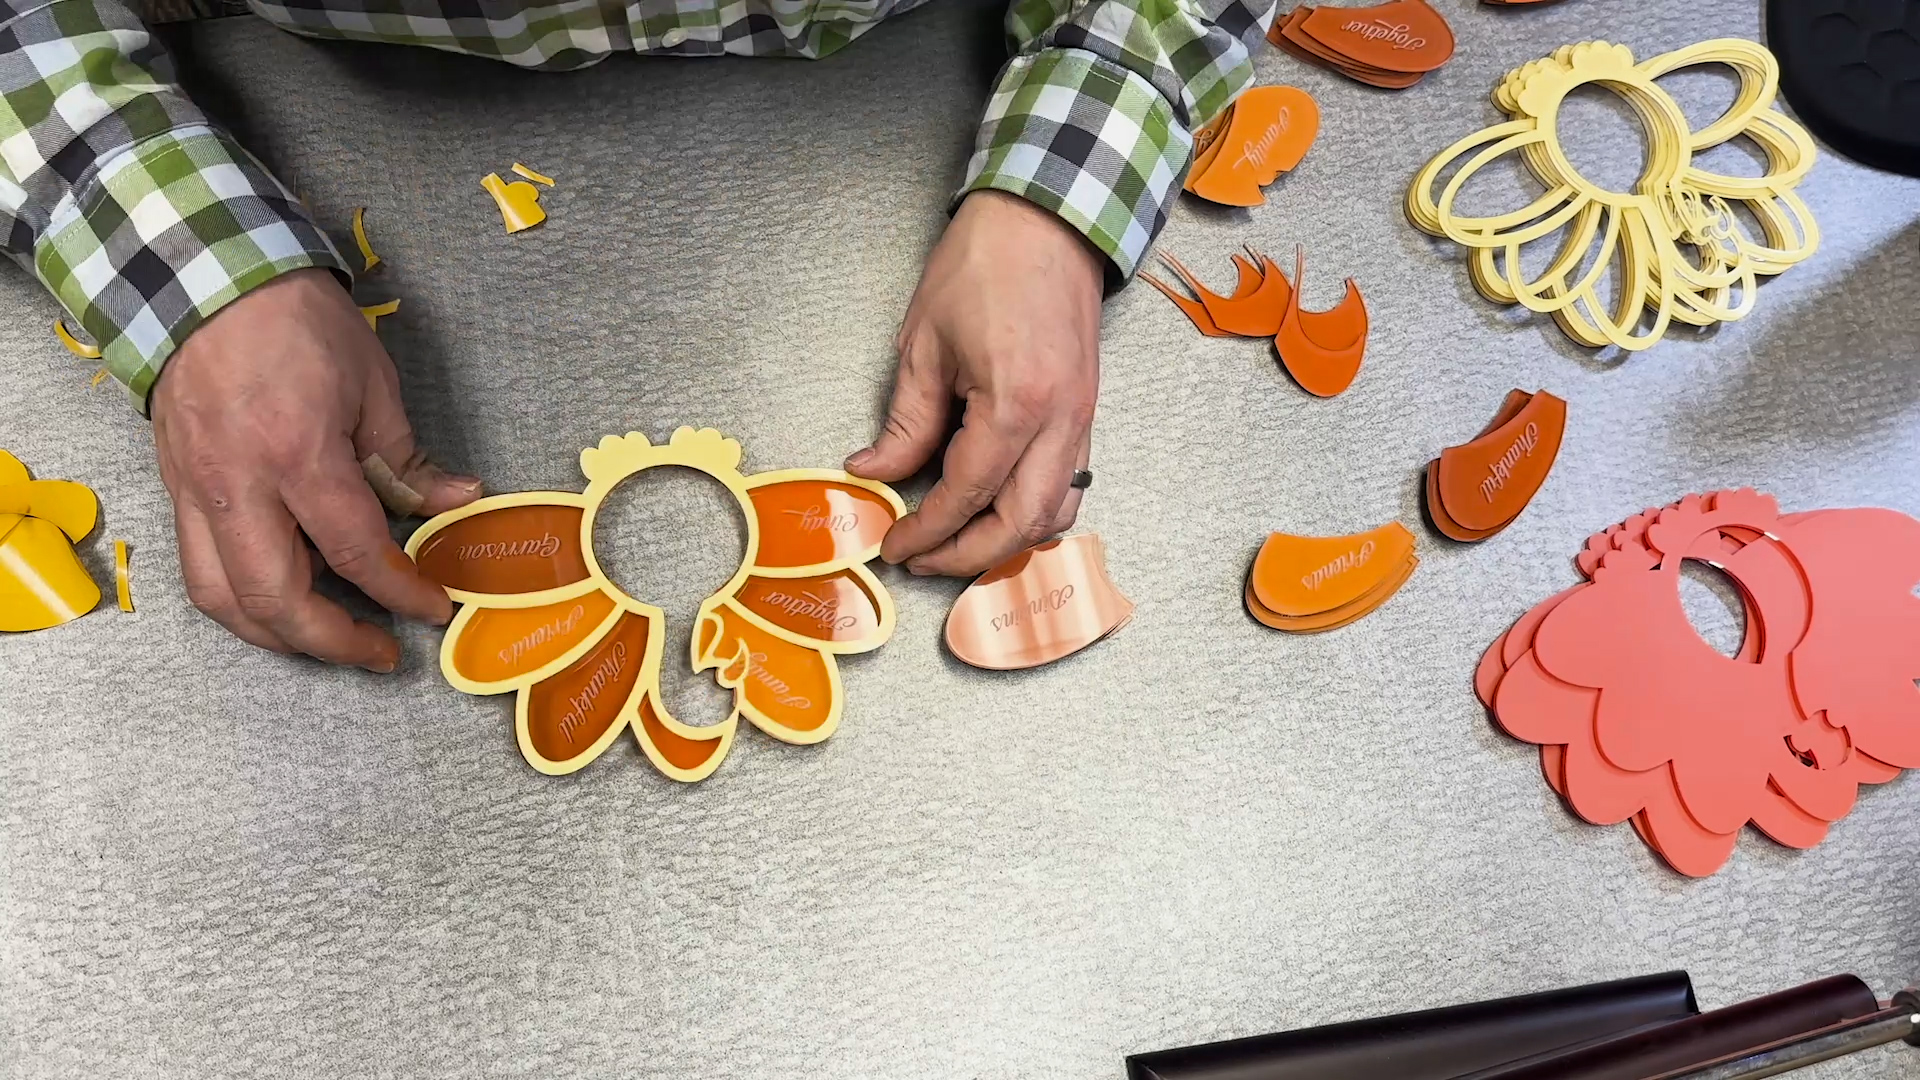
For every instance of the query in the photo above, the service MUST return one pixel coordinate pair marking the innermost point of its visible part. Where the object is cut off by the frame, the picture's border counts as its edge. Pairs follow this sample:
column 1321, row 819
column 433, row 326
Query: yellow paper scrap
column 98, row 378
column 531, row 175
column 85, row 352
column 360, row 237
column 121, row 575
column 42, row 583
column 519, row 202
column 373, row 312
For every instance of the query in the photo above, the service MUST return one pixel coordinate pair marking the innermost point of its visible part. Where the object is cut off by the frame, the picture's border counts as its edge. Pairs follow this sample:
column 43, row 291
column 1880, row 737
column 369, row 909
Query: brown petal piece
column 1044, row 603
column 1478, row 488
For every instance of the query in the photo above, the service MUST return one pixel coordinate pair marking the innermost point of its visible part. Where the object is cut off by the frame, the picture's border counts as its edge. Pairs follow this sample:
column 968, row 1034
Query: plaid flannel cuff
column 167, row 232
column 1089, row 140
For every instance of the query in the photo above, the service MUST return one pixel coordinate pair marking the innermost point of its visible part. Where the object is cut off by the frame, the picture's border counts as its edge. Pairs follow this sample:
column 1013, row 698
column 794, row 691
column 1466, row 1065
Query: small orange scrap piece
column 1306, row 584
column 1322, row 350
column 1387, row 45
column 1265, row 132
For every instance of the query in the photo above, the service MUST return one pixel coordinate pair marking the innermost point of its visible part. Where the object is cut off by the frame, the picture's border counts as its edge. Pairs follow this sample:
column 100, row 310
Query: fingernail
column 860, row 458
column 466, row 483
column 382, row 667
column 918, row 569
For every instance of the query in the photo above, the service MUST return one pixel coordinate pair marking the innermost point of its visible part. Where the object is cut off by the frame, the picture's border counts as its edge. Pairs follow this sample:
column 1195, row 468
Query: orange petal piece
column 1043, row 604
column 497, row 645
column 829, row 608
column 1483, row 485
column 1194, row 310
column 1340, row 616
column 1255, row 314
column 680, row 757
column 505, row 550
column 789, row 691
column 817, row 522
column 568, row 718
column 1405, row 36
column 1268, row 132
column 1323, row 350
column 1300, row 576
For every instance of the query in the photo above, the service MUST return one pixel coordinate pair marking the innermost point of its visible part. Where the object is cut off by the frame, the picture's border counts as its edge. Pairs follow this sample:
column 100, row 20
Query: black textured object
column 1436, row 1044
column 1695, row 1040
column 1851, row 71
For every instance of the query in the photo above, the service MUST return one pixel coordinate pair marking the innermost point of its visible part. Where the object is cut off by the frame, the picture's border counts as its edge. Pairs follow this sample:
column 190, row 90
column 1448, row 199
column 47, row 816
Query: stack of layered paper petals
column 1306, row 584
column 1322, row 350
column 1640, row 720
column 1389, row 45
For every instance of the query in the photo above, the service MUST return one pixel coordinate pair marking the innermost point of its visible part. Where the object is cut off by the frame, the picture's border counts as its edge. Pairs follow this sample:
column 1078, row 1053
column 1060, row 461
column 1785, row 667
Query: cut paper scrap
column 1684, row 245
column 1639, row 720
column 1306, row 584
column 1389, row 45
column 98, row 378
column 42, row 583
column 538, row 178
column 519, row 202
column 1266, row 131
column 1043, row 604
column 122, row 576
column 74, row 345
column 1322, row 350
column 1478, row 488
column 367, row 256
column 373, row 312
column 541, row 619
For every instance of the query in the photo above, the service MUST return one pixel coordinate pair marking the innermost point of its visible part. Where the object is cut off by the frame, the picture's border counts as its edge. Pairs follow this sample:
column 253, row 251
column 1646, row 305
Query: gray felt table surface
column 220, row 863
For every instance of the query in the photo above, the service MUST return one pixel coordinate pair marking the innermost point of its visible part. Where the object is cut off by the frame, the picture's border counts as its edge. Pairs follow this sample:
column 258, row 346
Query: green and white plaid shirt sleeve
column 141, row 218
column 1093, row 117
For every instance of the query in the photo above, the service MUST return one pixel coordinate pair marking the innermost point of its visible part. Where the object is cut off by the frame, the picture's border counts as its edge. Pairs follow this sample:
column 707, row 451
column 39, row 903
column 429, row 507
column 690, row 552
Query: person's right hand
column 263, row 418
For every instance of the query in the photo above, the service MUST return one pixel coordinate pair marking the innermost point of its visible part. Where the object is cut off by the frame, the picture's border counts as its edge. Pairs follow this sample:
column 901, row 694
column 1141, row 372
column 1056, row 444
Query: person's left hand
column 1006, row 319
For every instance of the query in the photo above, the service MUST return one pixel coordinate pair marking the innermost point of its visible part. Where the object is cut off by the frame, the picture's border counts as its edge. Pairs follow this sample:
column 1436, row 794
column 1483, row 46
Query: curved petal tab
column 817, row 522
column 568, row 718
column 681, row 758
column 512, row 546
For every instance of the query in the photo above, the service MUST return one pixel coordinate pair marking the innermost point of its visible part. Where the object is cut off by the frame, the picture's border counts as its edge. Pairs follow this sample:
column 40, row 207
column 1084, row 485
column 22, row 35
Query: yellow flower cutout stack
column 1679, row 247
column 42, row 583
column 542, row 620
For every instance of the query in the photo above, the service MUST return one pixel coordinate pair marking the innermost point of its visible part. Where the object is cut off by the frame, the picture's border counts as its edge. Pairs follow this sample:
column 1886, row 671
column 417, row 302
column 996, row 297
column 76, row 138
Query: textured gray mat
column 218, row 863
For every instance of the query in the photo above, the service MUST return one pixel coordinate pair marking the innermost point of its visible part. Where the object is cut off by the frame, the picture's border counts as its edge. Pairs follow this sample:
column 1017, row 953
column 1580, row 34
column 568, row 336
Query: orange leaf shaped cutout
column 500, row 644
column 1299, row 576
column 679, row 756
column 819, row 522
column 568, row 718
column 1484, row 484
column 1043, row 604
column 828, row 608
column 1194, row 310
column 1340, row 616
column 1322, row 350
column 504, row 550
column 789, row 691
column 1268, row 132
column 1406, row 36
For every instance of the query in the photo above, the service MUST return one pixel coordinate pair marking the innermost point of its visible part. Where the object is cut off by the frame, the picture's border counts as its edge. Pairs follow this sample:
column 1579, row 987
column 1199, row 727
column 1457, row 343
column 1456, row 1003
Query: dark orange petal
column 678, row 756
column 570, row 716
column 503, row 550
column 789, row 691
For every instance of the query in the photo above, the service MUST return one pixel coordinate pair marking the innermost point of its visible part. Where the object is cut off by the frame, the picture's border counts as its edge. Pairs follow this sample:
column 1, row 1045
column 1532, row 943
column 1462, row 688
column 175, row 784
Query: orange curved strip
column 808, row 522
column 497, row 644
column 569, row 711
column 1194, row 310
column 512, row 549
column 687, row 755
column 831, row 607
column 1323, row 350
column 1207, row 142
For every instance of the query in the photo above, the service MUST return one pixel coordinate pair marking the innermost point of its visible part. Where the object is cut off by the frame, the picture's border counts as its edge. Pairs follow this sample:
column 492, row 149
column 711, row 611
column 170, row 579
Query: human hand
column 262, row 419
column 1007, row 319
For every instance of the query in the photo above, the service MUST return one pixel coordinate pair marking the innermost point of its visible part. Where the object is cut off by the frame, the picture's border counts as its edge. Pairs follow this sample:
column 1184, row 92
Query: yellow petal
column 360, row 237
column 42, row 583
